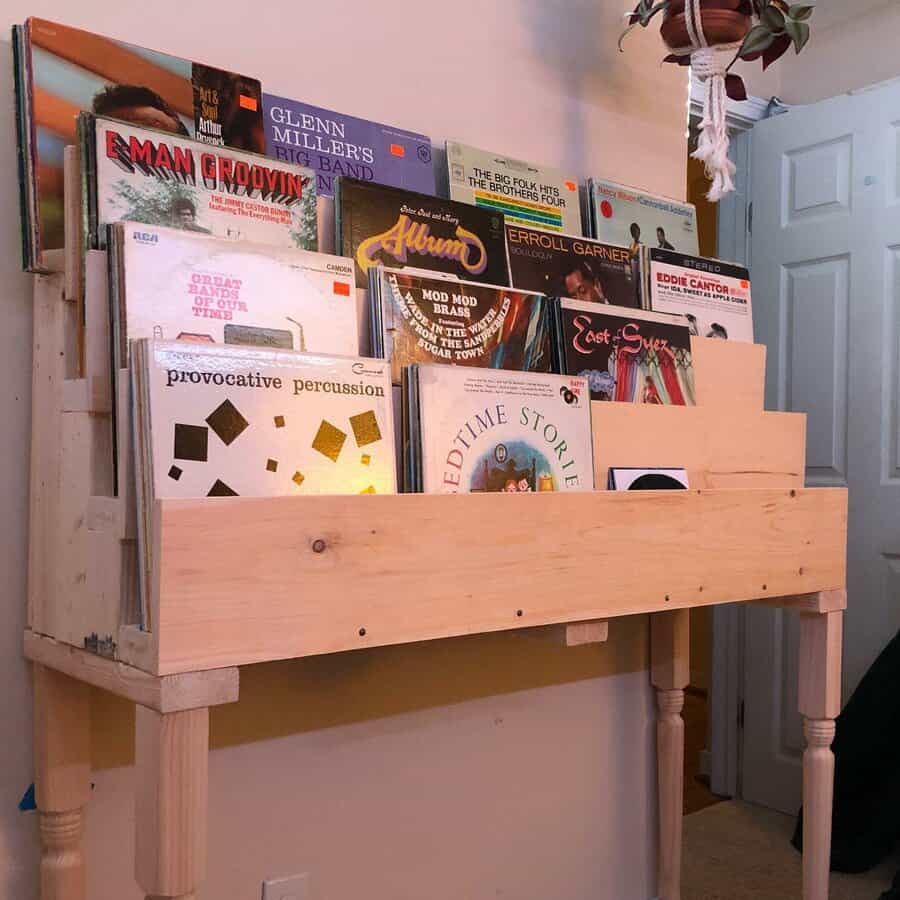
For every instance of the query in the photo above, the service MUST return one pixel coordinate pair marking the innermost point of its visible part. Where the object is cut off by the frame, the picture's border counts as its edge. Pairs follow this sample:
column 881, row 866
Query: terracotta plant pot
column 722, row 23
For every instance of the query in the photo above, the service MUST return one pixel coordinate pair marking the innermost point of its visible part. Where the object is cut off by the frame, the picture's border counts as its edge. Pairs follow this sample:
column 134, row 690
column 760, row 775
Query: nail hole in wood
column 319, row 545
column 765, row 587
column 801, row 570
column 362, row 632
column 700, row 589
column 518, row 612
column 793, row 493
column 667, row 598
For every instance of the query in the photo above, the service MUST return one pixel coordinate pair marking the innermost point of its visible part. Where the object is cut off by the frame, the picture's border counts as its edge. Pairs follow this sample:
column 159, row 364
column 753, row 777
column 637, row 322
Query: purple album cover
column 333, row 144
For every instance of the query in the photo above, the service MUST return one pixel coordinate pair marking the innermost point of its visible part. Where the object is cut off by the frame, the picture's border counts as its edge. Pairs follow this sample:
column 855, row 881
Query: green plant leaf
column 757, row 40
column 735, row 88
column 779, row 47
column 625, row 33
column 798, row 32
column 773, row 19
column 643, row 13
column 800, row 12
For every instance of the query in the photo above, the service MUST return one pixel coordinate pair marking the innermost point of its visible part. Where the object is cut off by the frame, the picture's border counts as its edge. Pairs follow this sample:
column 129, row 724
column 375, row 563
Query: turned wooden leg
column 62, row 779
column 171, row 756
column 820, row 703
column 669, row 666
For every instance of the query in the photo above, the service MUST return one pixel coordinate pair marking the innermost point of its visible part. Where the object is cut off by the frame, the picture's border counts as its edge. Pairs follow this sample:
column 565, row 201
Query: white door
column 826, row 297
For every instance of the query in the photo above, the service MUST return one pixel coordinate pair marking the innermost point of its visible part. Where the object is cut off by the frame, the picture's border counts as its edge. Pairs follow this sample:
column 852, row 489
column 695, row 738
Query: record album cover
column 180, row 285
column 242, row 421
column 477, row 431
column 139, row 175
column 713, row 296
column 630, row 356
column 333, row 144
column 565, row 266
column 226, row 421
column 401, row 229
column 421, row 319
column 61, row 71
column 643, row 479
column 526, row 193
column 636, row 219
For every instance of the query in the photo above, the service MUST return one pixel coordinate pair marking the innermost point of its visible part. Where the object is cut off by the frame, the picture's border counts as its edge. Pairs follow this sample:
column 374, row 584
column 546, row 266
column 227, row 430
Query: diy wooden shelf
column 239, row 581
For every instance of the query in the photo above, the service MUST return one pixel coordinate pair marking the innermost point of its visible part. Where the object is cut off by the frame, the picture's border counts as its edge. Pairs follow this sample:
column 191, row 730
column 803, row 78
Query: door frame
column 726, row 696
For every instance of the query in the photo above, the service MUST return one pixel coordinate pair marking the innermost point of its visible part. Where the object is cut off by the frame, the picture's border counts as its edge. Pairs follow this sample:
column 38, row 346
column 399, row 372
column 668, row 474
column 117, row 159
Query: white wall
column 493, row 766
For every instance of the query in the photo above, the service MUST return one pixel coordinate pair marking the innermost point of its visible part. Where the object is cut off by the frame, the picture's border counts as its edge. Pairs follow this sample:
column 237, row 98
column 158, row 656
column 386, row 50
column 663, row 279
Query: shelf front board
column 245, row 580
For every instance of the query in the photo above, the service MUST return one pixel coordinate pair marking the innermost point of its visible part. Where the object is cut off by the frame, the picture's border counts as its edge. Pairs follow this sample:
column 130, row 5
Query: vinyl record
column 653, row 481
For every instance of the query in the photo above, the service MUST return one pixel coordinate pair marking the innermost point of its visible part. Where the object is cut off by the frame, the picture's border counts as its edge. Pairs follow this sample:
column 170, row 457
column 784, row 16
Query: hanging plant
column 711, row 36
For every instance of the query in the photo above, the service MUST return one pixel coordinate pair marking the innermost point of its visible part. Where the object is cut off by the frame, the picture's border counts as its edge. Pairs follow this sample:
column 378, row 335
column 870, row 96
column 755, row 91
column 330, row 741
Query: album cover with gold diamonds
column 229, row 421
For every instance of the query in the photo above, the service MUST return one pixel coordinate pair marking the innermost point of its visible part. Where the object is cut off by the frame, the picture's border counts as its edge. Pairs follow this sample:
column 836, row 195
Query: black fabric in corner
column 866, row 818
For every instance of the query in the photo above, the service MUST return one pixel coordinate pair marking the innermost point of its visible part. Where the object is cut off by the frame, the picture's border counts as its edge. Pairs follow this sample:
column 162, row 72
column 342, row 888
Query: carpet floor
column 735, row 851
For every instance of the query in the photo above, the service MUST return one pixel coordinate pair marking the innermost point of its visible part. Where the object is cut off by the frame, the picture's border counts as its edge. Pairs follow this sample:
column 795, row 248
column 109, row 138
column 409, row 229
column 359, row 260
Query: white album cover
column 525, row 192
column 157, row 178
column 244, row 421
column 502, row 431
column 177, row 285
column 635, row 219
column 713, row 296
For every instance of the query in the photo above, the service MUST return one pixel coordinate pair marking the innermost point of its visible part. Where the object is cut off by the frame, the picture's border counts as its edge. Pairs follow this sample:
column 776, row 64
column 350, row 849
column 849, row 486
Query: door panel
column 817, row 181
column 815, row 376
column 826, row 295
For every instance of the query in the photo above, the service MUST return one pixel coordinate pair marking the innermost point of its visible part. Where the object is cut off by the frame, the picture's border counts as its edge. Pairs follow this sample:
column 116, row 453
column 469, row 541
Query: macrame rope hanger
column 710, row 65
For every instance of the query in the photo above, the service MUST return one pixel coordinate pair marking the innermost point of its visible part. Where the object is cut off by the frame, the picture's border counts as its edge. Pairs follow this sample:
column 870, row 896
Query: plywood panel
column 721, row 447
column 729, row 374
column 243, row 583
column 169, row 693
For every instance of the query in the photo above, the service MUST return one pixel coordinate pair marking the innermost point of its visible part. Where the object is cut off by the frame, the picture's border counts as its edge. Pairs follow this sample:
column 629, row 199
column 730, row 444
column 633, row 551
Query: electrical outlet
column 294, row 887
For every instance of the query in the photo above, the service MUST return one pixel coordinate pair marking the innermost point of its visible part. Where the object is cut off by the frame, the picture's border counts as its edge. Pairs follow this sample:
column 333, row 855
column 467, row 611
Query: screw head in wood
column 319, row 545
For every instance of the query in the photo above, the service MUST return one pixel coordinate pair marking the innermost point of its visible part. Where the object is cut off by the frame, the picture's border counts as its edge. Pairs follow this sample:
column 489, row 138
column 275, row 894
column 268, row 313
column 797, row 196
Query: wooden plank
column 820, row 665
column 138, row 648
column 62, row 757
column 86, row 395
column 75, row 613
column 240, row 580
column 819, row 702
column 729, row 375
column 97, row 354
column 576, row 634
column 670, row 671
column 165, row 694
column 71, row 220
column 172, row 784
column 821, row 602
column 719, row 447
column 51, row 324
column 62, row 779
column 670, row 646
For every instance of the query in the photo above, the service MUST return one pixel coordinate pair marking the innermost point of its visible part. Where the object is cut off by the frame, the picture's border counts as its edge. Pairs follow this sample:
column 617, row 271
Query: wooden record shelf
column 240, row 581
